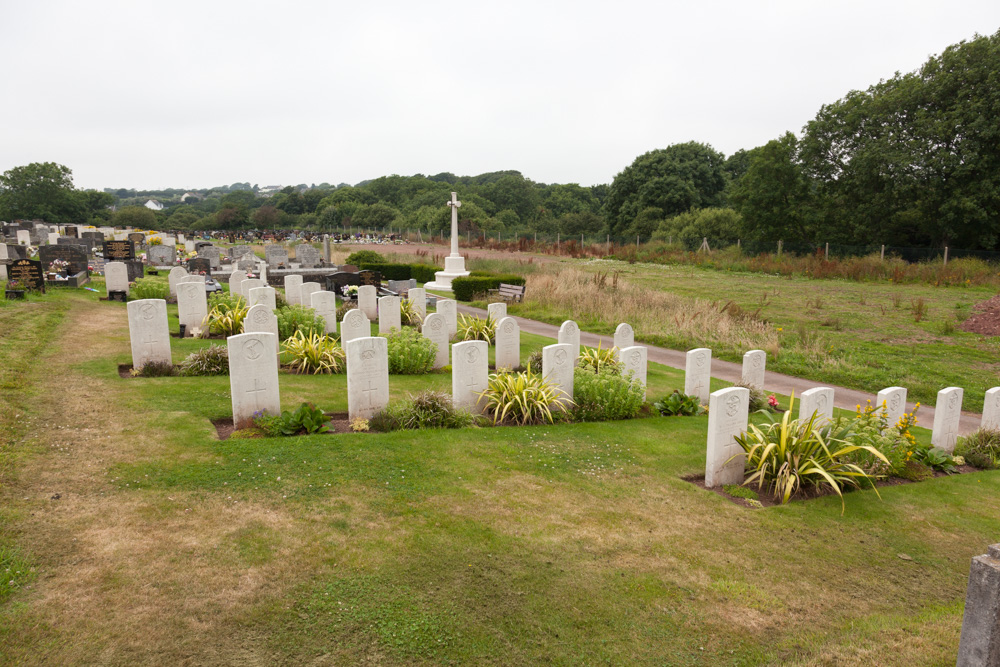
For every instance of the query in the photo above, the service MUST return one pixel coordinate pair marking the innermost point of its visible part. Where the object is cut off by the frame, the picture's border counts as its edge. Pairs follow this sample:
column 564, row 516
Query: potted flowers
column 350, row 291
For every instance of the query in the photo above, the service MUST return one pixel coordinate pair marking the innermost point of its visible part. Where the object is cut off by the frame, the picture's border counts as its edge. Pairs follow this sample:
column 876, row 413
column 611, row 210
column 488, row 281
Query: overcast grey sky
column 195, row 94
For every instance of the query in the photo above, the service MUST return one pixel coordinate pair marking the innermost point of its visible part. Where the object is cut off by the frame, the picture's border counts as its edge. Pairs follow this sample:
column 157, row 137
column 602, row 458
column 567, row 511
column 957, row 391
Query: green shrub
column 758, row 399
column 211, row 360
column 466, row 288
column 292, row 319
column 678, row 405
column 279, row 300
column 935, row 458
column 429, row 409
column 471, row 327
column 148, row 288
column 737, row 491
column 424, row 273
column 521, row 398
column 388, row 419
column 410, row 353
column 392, row 271
column 605, row 395
column 981, row 449
column 596, row 359
column 314, row 353
column 306, row 420
column 155, row 369
column 408, row 314
column 534, row 360
column 226, row 312
column 868, row 429
column 359, row 257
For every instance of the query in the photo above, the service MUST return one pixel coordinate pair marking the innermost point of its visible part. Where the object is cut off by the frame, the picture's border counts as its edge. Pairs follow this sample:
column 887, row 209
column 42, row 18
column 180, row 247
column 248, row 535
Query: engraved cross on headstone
column 369, row 392
column 150, row 342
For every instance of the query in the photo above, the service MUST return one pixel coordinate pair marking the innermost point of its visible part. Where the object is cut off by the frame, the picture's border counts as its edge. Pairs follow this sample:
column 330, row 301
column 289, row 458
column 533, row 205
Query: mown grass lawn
column 561, row 544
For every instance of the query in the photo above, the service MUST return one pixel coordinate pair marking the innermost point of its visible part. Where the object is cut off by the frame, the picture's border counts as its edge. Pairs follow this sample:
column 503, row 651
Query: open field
column 147, row 540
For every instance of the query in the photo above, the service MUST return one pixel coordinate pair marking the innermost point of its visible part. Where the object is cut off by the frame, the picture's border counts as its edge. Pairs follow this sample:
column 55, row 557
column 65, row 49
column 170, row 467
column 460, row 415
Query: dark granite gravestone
column 349, row 268
column 74, row 254
column 71, row 231
column 338, row 280
column 371, row 278
column 199, row 265
column 137, row 238
column 135, row 269
column 17, row 251
column 118, row 251
column 94, row 237
column 198, row 245
column 28, row 273
column 72, row 240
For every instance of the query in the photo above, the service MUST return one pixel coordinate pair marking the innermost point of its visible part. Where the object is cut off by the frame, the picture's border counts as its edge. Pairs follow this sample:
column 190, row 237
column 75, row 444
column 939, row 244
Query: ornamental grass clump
column 211, row 360
column 981, row 449
column 408, row 314
column 476, row 328
column 226, row 313
column 521, row 398
column 787, row 456
column 314, row 353
column 596, row 359
column 410, row 353
column 605, row 395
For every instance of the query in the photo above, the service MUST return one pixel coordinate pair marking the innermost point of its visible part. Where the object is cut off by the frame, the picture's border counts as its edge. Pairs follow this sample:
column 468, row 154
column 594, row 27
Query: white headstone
column 116, row 277
column 53, row 238
column 249, row 284
column 634, row 361
column 894, row 400
column 148, row 332
column 261, row 319
column 449, row 309
column 624, row 337
column 947, row 413
column 23, row 237
column 698, row 373
column 508, row 344
column 470, row 370
column 192, row 279
column 728, row 411
column 3, row 255
column 569, row 334
column 236, row 279
column 253, row 376
column 435, row 329
column 991, row 410
column 557, row 370
column 354, row 325
column 754, row 362
column 175, row 275
column 263, row 296
column 368, row 301
column 818, row 400
column 325, row 305
column 305, row 292
column 170, row 241
column 367, row 376
column 192, row 305
column 388, row 314
column 189, row 246
column 418, row 297
column 496, row 311
column 293, row 289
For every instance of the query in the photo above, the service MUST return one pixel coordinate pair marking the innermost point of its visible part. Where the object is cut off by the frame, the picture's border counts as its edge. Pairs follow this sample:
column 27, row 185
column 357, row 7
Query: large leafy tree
column 42, row 190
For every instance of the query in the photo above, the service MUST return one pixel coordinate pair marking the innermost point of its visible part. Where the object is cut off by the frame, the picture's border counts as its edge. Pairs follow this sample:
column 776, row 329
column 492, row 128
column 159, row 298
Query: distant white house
column 268, row 190
column 154, row 205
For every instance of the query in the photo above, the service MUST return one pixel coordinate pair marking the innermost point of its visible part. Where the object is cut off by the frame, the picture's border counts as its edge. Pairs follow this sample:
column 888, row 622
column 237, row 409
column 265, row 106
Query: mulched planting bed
column 337, row 423
column 985, row 318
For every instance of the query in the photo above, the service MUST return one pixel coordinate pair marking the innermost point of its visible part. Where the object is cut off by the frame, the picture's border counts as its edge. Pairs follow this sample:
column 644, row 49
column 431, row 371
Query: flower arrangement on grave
column 58, row 267
column 14, row 285
column 350, row 291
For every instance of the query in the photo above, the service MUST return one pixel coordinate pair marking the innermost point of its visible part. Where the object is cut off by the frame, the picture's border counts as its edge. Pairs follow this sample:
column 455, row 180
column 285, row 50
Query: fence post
column 609, row 244
column 557, row 243
column 882, row 255
column 946, row 255
column 636, row 241
column 780, row 243
column 738, row 241
column 826, row 255
column 536, row 236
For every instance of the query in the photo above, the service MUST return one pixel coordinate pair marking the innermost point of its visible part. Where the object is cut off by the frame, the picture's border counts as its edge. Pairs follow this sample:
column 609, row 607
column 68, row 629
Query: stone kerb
column 469, row 374
column 192, row 305
column 698, row 373
column 174, row 276
column 306, row 291
column 818, row 401
column 261, row 319
column 947, row 413
column 754, row 362
column 508, row 344
column 624, row 337
column 894, row 399
column 293, row 289
column 367, row 376
column 991, row 410
column 569, row 334
column 325, row 305
column 980, row 640
column 148, row 332
column 449, row 309
column 728, row 412
column 388, row 314
column 264, row 296
column 634, row 362
column 368, row 301
column 253, row 376
column 236, row 279
column 418, row 297
column 354, row 325
column 116, row 277
column 557, row 370
column 496, row 311
column 435, row 329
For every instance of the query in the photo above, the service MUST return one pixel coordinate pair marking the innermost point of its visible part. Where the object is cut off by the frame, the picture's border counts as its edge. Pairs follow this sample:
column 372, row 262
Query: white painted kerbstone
column 247, row 285
column 368, row 301
column 253, row 376
column 367, row 375
column 449, row 309
column 435, row 330
column 496, row 311
column 634, row 361
column 293, row 290
column 508, row 344
column 116, row 277
column 388, row 314
column 264, row 296
column 418, row 297
column 624, row 337
column 728, row 412
column 569, row 334
column 894, row 399
column 754, row 362
column 325, row 305
column 192, row 305
column 470, row 370
column 148, row 332
column 818, row 400
column 698, row 373
column 947, row 413
column 236, row 279
column 261, row 319
column 991, row 410
column 557, row 370
column 174, row 276
column 354, row 325
column 306, row 291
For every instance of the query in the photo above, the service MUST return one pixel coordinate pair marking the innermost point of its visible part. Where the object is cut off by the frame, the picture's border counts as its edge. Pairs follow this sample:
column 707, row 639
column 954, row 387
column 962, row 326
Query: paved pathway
column 732, row 372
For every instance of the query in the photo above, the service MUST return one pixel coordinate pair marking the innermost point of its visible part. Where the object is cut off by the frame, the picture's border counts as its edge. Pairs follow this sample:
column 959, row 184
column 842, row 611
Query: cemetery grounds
column 130, row 534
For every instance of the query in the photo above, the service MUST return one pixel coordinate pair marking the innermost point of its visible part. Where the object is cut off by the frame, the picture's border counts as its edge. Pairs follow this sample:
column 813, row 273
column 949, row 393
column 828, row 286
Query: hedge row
column 424, row 273
column 466, row 288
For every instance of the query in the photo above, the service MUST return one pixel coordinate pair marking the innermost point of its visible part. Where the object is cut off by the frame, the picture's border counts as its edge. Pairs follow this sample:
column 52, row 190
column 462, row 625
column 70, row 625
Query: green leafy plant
column 226, row 313
column 605, row 395
column 737, row 491
column 521, row 398
column 314, row 353
column 307, row 419
column 981, row 449
column 359, row 257
column 758, row 399
column 595, row 359
column 534, row 359
column 148, row 288
column 410, row 353
column 678, row 405
column 429, row 409
column 471, row 327
column 466, row 288
column 292, row 319
column 211, row 360
column 935, row 458
column 360, row 425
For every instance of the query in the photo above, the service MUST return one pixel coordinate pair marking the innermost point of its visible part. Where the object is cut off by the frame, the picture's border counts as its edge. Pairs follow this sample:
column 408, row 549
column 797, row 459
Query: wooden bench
column 511, row 292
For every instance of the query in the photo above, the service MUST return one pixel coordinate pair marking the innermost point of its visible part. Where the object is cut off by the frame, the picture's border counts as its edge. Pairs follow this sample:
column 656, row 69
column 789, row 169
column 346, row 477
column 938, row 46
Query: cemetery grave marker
column 325, row 305
column 991, row 410
column 173, row 277
column 728, row 412
column 293, row 290
column 469, row 374
column 818, row 400
column 236, row 279
column 435, row 329
column 698, row 373
column 161, row 255
column 307, row 256
column 557, row 370
column 118, row 251
column 354, row 325
column 947, row 414
column 192, row 306
column 253, row 376
column 75, row 255
column 116, row 278
column 508, row 343
column 148, row 332
column 634, row 361
column 305, row 292
column 389, row 317
column 894, row 399
column 418, row 297
column 28, row 273
column 569, row 334
column 624, row 337
column 754, row 362
column 367, row 376
column 368, row 301
column 261, row 319
column 497, row 311
column 449, row 308
column 264, row 296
